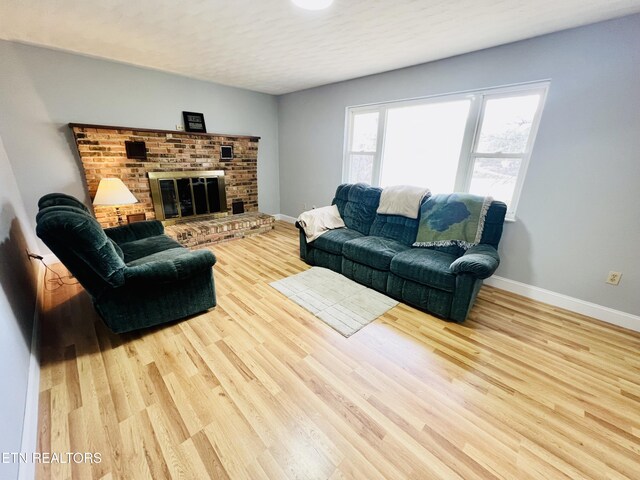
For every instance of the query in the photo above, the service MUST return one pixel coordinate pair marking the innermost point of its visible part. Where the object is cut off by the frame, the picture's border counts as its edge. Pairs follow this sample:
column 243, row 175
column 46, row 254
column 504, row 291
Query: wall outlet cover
column 614, row 278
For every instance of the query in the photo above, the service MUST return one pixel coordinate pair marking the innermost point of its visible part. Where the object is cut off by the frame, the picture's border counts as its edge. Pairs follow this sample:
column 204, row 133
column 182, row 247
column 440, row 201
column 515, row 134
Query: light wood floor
column 258, row 388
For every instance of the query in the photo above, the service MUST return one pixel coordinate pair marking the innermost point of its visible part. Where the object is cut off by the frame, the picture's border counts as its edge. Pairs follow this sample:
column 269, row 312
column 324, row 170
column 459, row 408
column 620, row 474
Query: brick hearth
column 197, row 233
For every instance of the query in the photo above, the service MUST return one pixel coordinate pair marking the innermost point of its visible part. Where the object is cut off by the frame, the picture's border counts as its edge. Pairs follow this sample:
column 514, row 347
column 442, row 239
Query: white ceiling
column 274, row 47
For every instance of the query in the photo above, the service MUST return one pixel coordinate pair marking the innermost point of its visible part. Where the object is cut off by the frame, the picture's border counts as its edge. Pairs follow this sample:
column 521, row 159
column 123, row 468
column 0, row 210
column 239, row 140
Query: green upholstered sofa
column 136, row 276
column 376, row 250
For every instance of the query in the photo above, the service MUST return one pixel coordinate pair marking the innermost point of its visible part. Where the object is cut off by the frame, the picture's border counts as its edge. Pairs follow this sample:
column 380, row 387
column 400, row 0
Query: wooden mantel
column 153, row 130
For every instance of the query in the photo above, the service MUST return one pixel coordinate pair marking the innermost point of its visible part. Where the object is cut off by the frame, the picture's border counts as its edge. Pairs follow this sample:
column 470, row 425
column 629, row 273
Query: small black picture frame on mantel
column 194, row 122
column 226, row 152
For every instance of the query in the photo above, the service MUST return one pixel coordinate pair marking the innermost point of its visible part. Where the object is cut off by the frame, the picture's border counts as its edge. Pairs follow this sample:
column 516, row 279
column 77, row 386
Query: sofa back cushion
column 357, row 204
column 493, row 224
column 396, row 227
column 78, row 240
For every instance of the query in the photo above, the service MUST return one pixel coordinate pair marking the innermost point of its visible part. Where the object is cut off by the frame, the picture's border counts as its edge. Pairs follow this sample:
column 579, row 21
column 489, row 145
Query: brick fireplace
column 103, row 153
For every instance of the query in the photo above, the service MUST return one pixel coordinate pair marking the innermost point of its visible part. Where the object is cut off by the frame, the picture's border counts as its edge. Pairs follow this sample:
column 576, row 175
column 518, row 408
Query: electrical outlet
column 614, row 278
column 304, row 207
column 179, row 127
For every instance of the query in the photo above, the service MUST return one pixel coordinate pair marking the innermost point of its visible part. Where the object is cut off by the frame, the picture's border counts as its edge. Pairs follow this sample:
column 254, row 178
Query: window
column 477, row 142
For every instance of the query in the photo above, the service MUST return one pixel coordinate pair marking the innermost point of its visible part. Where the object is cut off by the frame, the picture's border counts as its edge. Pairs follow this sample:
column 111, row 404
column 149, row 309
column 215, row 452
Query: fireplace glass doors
column 178, row 195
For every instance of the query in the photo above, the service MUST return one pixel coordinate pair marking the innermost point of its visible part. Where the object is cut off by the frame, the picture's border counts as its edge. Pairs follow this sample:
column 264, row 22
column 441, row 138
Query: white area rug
column 341, row 303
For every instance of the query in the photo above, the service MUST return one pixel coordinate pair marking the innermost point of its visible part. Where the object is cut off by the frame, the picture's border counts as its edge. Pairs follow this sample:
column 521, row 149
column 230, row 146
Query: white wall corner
column 606, row 314
column 29, row 443
column 285, row 218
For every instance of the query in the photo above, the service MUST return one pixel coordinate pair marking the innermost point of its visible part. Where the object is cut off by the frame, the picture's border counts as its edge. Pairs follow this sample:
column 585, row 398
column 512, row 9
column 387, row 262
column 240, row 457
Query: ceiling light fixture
column 313, row 4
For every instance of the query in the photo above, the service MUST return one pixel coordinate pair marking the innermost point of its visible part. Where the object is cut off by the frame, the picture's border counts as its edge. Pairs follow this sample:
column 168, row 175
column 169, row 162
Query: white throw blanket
column 402, row 200
column 320, row 220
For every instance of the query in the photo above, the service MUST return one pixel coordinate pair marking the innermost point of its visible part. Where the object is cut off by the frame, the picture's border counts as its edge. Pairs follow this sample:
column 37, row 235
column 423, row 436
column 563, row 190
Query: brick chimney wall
column 102, row 152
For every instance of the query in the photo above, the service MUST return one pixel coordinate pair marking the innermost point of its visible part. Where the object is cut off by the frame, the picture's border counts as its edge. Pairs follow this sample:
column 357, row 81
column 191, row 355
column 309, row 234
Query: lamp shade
column 113, row 191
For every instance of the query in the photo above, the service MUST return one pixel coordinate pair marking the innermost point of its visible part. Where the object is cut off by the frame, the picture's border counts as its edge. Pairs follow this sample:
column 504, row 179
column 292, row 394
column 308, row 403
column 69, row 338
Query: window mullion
column 465, row 162
column 377, row 159
column 348, row 144
column 498, row 155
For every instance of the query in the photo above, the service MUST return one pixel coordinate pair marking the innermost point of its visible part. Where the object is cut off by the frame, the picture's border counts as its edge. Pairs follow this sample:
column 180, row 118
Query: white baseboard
column 285, row 218
column 29, row 443
column 606, row 314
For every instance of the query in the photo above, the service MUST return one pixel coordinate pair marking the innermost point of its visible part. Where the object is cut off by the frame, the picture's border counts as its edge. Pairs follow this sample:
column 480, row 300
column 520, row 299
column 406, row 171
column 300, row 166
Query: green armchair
column 136, row 276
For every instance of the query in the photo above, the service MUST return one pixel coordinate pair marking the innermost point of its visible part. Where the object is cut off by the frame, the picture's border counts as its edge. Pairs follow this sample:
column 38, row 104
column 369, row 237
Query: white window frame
column 377, row 166
column 478, row 99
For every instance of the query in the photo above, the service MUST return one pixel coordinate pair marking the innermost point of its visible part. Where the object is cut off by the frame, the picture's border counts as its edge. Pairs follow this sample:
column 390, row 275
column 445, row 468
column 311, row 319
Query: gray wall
column 17, row 302
column 579, row 213
column 42, row 90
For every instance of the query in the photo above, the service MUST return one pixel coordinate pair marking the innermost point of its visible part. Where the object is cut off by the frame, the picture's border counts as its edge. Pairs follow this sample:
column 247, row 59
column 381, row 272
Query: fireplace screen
column 178, row 195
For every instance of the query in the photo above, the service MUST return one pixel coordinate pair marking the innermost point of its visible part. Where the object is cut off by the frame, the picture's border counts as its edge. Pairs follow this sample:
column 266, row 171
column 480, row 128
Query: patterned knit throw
column 452, row 219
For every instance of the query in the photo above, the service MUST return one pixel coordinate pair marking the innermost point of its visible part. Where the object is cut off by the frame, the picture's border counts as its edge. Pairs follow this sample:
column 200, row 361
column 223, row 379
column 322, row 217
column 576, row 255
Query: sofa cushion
column 395, row 227
column 357, row 204
column 147, row 246
column 493, row 224
column 117, row 248
column 333, row 240
column 425, row 266
column 376, row 252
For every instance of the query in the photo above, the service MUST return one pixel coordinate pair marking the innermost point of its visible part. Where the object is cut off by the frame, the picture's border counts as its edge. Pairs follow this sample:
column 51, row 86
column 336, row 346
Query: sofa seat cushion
column 375, row 252
column 333, row 240
column 162, row 256
column 425, row 266
column 147, row 246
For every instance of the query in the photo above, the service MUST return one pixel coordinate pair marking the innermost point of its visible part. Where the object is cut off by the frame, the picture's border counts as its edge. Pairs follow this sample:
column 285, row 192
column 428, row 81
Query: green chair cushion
column 169, row 266
column 117, row 248
column 60, row 199
column 135, row 231
column 147, row 246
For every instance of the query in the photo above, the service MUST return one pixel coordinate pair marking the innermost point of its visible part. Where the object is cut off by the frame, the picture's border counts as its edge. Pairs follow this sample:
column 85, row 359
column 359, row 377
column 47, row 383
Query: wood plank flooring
column 258, row 388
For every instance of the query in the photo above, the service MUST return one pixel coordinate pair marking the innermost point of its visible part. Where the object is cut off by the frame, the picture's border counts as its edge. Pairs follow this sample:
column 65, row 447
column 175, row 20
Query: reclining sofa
column 136, row 276
column 376, row 251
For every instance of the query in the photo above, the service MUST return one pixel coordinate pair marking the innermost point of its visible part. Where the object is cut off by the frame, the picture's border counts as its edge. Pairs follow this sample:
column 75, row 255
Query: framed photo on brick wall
column 226, row 152
column 194, row 122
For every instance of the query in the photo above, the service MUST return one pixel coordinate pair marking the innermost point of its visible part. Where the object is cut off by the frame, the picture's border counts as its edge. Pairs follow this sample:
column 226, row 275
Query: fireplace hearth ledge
column 204, row 232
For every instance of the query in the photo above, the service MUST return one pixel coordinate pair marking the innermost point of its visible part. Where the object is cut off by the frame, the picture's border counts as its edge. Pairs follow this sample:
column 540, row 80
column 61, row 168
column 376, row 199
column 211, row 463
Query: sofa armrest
column 135, row 231
column 171, row 270
column 481, row 261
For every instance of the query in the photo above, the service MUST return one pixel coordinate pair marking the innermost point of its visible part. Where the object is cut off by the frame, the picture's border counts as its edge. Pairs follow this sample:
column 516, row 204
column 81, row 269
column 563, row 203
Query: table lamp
column 113, row 192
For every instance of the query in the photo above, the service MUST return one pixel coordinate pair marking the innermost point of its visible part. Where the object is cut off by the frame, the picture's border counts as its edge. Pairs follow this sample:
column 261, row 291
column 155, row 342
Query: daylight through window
column 478, row 142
